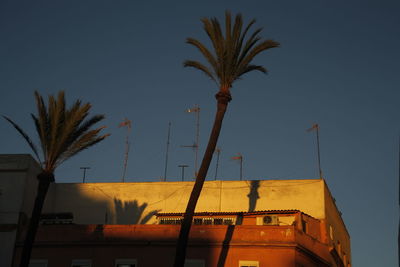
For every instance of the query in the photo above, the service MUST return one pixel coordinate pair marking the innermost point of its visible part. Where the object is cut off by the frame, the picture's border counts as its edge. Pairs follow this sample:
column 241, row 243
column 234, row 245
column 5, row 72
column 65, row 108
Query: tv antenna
column 195, row 146
column 316, row 128
column 128, row 124
column 218, row 151
column 183, row 170
column 84, row 173
column 166, row 153
column 240, row 158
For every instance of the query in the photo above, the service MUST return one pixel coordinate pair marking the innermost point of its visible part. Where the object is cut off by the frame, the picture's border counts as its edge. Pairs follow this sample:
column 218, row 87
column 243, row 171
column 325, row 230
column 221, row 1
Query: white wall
column 17, row 190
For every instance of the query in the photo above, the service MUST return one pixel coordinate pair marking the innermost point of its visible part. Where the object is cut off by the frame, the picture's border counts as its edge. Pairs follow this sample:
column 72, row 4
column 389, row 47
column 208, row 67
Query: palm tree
column 63, row 132
column 231, row 58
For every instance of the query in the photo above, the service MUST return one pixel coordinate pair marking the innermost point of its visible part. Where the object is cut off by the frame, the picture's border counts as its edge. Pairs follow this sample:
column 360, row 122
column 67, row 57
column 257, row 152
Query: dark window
column 198, row 221
column 207, row 221
column 218, row 221
column 228, row 221
column 304, row 226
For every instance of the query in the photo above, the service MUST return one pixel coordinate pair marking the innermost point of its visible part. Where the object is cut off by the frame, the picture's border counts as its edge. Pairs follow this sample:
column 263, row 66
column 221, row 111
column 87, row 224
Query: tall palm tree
column 231, row 58
column 63, row 132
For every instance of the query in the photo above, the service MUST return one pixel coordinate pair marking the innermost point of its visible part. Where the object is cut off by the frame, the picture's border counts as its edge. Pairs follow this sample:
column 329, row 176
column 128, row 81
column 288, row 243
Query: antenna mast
column 128, row 124
column 183, row 166
column 84, row 173
column 167, row 150
column 196, row 109
column 316, row 127
column 240, row 158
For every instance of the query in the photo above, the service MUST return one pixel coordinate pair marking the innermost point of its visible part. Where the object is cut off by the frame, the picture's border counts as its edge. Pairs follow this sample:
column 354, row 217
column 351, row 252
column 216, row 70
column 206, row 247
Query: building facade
column 237, row 223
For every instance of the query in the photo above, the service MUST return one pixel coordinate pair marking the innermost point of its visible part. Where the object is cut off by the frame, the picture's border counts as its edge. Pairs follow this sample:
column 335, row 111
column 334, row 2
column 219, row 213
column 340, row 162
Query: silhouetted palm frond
column 233, row 52
column 26, row 137
column 63, row 132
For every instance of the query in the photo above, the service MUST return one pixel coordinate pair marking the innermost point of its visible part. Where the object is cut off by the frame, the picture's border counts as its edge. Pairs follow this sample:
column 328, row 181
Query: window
column 304, row 226
column 171, row 221
column 194, row 263
column 331, row 232
column 339, row 248
column 248, row 264
column 57, row 218
column 218, row 221
column 197, row 221
column 200, row 221
column 38, row 263
column 207, row 221
column 125, row 263
column 81, row 263
column 228, row 221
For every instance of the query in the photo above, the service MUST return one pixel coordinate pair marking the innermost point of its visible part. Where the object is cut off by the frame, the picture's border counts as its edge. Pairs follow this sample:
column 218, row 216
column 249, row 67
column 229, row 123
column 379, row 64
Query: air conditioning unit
column 270, row 220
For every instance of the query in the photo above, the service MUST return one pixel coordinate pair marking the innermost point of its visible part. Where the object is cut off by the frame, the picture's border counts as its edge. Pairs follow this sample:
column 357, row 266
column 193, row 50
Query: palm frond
column 25, row 136
column 249, row 68
column 233, row 52
column 57, row 115
column 43, row 123
column 204, row 51
column 63, row 132
column 73, row 119
column 213, row 31
column 86, row 141
column 254, row 38
column 228, row 33
column 201, row 67
column 255, row 51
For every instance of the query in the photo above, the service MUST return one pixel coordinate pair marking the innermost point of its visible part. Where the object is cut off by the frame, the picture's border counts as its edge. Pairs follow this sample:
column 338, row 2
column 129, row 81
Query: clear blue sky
column 338, row 65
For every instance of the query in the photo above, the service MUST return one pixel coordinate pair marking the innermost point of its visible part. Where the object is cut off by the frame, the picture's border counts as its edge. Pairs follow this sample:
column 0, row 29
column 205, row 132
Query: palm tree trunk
column 45, row 179
column 223, row 99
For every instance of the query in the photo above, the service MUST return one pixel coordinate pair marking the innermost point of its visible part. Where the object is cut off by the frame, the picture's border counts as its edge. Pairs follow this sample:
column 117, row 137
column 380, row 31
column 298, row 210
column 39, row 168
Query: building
column 237, row 223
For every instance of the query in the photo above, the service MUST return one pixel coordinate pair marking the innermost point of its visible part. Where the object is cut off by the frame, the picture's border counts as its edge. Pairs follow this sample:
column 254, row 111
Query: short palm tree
column 230, row 59
column 63, row 132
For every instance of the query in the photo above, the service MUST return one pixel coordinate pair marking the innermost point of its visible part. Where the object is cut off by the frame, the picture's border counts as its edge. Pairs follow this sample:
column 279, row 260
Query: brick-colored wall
column 154, row 245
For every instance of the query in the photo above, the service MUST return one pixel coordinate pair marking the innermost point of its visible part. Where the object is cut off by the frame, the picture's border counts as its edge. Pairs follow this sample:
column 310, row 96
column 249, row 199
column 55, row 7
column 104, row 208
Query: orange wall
column 153, row 245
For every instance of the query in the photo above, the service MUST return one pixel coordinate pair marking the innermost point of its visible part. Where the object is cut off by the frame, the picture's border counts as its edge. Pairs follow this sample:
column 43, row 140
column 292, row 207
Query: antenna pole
column 319, row 156
column 241, row 168
column 197, row 138
column 128, row 125
column 183, row 170
column 316, row 127
column 84, row 173
column 166, row 153
column 196, row 109
column 239, row 157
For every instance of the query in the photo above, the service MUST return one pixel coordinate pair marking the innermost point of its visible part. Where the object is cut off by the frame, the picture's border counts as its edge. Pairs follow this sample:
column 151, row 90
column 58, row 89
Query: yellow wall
column 136, row 203
column 337, row 233
column 114, row 203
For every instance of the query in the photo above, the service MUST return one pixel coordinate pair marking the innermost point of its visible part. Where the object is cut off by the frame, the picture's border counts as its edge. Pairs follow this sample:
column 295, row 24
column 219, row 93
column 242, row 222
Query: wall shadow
column 253, row 194
column 225, row 246
column 130, row 212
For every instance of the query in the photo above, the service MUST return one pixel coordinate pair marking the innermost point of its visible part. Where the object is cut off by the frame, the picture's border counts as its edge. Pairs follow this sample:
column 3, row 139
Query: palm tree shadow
column 225, row 245
column 253, row 194
column 253, row 197
column 130, row 212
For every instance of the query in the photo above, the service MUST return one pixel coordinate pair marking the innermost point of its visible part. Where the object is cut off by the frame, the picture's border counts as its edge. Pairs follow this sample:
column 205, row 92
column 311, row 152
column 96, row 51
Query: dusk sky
column 338, row 65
